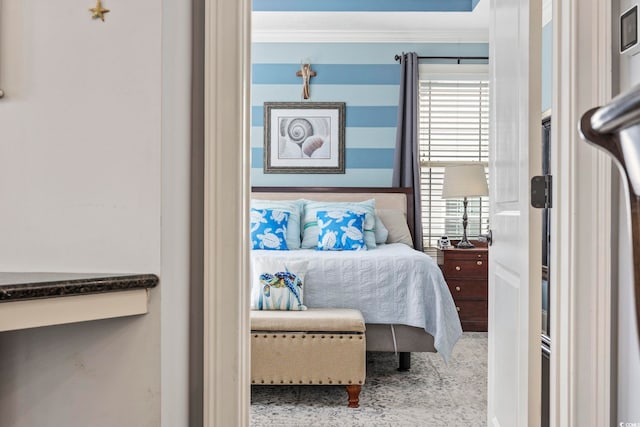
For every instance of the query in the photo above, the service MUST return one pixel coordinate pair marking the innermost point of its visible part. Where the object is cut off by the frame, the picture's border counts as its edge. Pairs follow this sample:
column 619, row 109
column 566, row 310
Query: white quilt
column 392, row 284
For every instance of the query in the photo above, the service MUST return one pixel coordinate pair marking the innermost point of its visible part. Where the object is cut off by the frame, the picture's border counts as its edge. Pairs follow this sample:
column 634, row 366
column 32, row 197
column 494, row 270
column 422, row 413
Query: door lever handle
column 486, row 237
column 615, row 128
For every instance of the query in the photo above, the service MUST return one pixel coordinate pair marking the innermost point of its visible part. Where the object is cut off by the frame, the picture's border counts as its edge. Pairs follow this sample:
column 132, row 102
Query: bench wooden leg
column 354, row 395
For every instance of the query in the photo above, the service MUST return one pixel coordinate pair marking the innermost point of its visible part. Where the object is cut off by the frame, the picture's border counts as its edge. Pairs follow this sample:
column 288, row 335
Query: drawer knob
column 479, row 262
column 458, row 308
column 457, row 268
column 458, row 288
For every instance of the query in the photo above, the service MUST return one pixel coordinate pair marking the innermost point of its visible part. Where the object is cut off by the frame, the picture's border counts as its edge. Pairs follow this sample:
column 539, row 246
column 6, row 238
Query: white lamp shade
column 464, row 181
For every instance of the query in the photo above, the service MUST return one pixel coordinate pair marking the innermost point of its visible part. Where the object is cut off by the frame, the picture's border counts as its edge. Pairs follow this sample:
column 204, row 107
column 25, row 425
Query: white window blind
column 453, row 128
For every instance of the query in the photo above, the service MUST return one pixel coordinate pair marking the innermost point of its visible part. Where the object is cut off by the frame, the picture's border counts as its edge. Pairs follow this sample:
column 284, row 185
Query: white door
column 515, row 256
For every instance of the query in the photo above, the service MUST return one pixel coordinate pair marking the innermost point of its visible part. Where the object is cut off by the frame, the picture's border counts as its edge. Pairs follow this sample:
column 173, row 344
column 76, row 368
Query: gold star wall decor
column 98, row 11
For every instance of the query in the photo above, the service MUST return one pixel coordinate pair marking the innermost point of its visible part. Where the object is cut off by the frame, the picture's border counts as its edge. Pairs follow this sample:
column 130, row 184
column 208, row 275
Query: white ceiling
column 373, row 26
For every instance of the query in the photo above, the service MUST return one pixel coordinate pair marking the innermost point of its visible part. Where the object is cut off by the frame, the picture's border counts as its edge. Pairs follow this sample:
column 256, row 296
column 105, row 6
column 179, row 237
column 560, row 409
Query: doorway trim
column 226, row 389
column 583, row 268
column 581, row 376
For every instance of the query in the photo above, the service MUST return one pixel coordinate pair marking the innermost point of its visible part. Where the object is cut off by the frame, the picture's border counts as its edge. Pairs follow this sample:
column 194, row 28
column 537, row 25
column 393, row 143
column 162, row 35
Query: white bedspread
column 390, row 284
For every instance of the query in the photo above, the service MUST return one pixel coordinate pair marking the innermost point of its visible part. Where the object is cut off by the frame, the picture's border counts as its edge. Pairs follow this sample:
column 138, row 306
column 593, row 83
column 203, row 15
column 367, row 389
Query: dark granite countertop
column 24, row 286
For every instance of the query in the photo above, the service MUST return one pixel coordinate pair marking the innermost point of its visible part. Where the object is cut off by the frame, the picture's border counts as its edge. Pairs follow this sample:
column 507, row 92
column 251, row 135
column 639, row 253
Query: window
column 453, row 128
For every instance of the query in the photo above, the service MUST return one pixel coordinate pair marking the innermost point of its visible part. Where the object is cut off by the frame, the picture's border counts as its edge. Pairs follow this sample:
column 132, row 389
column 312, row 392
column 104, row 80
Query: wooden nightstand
column 466, row 273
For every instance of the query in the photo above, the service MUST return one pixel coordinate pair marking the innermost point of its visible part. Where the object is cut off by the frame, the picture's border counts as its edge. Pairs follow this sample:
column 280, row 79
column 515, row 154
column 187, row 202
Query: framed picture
column 304, row 137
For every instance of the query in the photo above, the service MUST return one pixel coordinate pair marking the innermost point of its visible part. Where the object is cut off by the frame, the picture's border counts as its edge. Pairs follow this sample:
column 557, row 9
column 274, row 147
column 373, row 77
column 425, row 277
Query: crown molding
column 374, row 27
column 304, row 36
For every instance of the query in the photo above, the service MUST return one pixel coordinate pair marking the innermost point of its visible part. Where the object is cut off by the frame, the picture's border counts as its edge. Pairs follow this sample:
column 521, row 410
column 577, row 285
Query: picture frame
column 304, row 137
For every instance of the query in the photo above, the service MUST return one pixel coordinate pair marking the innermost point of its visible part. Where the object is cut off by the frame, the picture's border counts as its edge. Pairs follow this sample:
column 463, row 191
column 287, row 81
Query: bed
column 409, row 310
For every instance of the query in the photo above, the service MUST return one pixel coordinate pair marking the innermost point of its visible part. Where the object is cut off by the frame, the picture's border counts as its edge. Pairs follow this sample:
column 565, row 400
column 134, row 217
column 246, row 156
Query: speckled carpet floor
column 431, row 394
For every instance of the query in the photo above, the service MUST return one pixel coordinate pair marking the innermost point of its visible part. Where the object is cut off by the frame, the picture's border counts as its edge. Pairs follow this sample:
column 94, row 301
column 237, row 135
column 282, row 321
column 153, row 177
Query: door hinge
column 541, row 191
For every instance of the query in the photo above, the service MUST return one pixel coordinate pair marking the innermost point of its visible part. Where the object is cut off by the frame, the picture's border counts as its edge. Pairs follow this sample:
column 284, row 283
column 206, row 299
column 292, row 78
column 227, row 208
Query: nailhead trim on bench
column 303, row 335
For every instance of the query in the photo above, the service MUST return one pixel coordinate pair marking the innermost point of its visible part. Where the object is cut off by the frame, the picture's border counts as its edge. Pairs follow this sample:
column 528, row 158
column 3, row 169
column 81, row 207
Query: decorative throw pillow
column 268, row 229
column 310, row 223
column 294, row 207
column 340, row 231
column 277, row 284
column 396, row 222
column 381, row 232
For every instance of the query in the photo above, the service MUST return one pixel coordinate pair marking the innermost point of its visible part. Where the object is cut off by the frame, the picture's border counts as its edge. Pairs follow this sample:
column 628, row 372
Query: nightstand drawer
column 466, row 273
column 472, row 310
column 467, row 255
column 468, row 289
column 465, row 268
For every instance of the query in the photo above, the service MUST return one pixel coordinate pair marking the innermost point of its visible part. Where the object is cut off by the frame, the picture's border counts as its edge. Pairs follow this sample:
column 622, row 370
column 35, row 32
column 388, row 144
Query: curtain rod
column 457, row 58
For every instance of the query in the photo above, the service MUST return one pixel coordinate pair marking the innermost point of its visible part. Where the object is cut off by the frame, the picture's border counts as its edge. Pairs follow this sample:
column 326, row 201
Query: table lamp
column 464, row 181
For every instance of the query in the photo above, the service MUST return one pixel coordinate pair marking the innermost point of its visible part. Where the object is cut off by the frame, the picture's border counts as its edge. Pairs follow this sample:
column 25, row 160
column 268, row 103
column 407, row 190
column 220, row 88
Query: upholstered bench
column 315, row 346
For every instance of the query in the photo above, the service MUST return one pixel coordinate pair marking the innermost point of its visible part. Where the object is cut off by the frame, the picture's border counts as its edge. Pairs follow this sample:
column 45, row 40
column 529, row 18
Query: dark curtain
column 406, row 165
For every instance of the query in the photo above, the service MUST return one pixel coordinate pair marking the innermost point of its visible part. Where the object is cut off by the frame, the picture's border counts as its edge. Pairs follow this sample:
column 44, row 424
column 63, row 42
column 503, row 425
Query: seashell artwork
column 304, row 137
column 301, row 137
column 289, row 150
column 311, row 144
column 283, row 127
column 298, row 130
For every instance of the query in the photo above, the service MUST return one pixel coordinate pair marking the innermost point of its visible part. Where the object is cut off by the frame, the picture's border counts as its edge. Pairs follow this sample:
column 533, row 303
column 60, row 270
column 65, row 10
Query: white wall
column 80, row 141
column 84, row 184
column 628, row 343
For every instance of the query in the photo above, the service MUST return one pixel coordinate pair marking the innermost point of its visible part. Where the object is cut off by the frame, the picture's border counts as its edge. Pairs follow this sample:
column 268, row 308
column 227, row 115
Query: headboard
column 385, row 197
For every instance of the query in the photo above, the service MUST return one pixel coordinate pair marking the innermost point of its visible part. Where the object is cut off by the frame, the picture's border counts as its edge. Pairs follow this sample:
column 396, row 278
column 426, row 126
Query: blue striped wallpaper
column 365, row 76
column 328, row 74
column 364, row 5
column 361, row 117
column 355, row 137
column 356, row 158
column 357, row 53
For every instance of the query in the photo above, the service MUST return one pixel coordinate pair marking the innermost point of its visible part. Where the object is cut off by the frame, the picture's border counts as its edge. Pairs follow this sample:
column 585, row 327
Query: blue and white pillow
column 269, row 229
column 381, row 232
column 340, row 231
column 310, row 222
column 277, row 284
column 294, row 207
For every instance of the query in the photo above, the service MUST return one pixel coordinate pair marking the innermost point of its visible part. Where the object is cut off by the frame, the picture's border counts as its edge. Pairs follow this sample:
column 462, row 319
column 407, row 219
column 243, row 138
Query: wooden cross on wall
column 306, row 74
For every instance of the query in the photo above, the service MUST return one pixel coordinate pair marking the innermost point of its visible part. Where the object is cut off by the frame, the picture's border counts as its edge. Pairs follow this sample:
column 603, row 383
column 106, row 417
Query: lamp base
column 465, row 244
